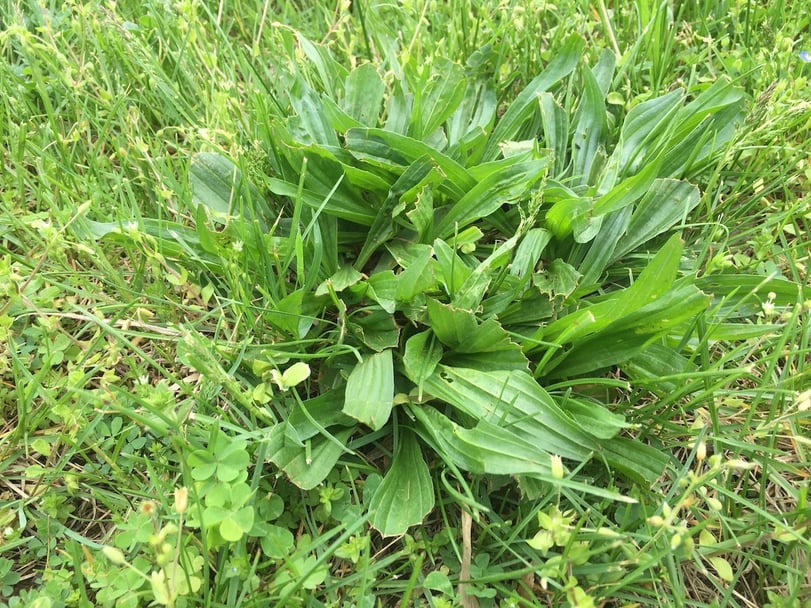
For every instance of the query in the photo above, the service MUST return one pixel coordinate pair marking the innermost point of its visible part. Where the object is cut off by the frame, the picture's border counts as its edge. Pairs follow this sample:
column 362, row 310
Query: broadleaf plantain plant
column 457, row 273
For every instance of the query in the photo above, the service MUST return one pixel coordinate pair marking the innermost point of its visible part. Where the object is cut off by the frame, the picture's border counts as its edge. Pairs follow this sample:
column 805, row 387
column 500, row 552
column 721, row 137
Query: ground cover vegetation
column 404, row 303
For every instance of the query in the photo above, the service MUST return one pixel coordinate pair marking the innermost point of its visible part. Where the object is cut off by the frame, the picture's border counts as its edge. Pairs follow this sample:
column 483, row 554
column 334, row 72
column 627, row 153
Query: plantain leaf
column 515, row 400
column 452, row 269
column 418, row 277
column 487, row 449
column 555, row 123
column 629, row 336
column 219, row 187
column 421, row 356
column 308, row 464
column 667, row 202
column 525, row 104
column 589, row 130
column 406, row 494
column 313, row 117
column 394, row 151
column 442, row 94
column 363, row 95
column 370, row 390
column 641, row 126
column 333, row 203
column 506, row 183
column 653, row 282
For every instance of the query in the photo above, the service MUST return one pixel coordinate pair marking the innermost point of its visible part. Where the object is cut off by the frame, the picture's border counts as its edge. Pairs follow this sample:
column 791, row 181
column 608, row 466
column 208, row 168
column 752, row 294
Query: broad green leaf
column 418, row 277
column 208, row 239
column 652, row 283
column 330, row 71
column 558, row 280
column 276, row 541
column 485, row 345
column 383, row 289
column 312, row 416
column 528, row 253
column 363, row 95
column 451, row 325
column 634, row 459
column 629, row 336
column 722, row 568
column 421, row 213
column 421, row 356
column 667, row 202
column 627, row 191
column 745, row 290
column 604, row 71
column 438, row 581
column 370, row 390
column 555, row 123
column 346, row 277
column 485, row 449
column 659, row 367
column 567, row 213
column 332, row 202
column 470, row 294
column 601, row 249
column 376, row 329
column 292, row 376
column 398, row 108
column 441, row 96
column 575, row 216
column 398, row 151
column 452, row 270
column 177, row 241
column 219, row 187
column 589, row 128
column 417, row 175
column 592, row 417
column 406, row 494
column 641, row 126
column 472, row 119
column 295, row 313
column 309, row 464
column 313, row 116
column 237, row 524
column 328, row 167
column 509, row 182
column 338, row 118
column 704, row 125
column 512, row 399
column 524, row 105
column 488, row 449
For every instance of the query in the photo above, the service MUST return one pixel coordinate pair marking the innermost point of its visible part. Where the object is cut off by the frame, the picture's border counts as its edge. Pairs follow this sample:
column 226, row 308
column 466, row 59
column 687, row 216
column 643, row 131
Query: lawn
column 415, row 303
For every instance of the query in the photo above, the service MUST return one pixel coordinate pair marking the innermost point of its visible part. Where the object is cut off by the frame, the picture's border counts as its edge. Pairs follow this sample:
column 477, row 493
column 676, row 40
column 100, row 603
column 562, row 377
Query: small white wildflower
column 237, row 246
column 768, row 305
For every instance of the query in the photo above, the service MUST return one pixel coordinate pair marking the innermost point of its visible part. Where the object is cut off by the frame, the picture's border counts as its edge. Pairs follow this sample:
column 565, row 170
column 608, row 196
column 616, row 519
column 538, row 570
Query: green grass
column 283, row 323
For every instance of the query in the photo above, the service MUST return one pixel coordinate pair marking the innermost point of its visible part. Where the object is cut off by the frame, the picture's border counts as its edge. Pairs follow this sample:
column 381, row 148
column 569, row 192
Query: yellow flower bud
column 557, row 467
column 181, row 499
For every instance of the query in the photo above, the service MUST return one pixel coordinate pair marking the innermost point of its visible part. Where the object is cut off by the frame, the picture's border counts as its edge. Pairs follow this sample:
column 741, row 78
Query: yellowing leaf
column 723, row 568
column 293, row 375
